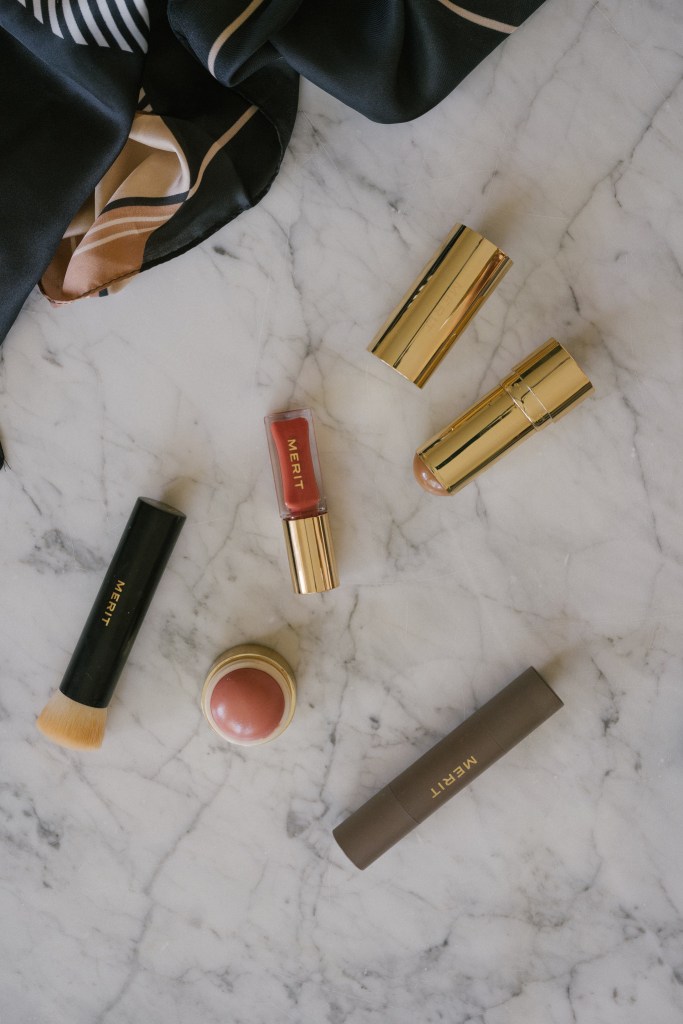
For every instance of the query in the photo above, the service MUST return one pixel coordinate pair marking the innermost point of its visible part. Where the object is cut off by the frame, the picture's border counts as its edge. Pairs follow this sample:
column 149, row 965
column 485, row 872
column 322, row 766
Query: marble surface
column 169, row 878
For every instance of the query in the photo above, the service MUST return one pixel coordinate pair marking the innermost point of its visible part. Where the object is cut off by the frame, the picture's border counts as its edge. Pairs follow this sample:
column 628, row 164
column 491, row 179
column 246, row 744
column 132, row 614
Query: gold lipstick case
column 440, row 304
column 538, row 391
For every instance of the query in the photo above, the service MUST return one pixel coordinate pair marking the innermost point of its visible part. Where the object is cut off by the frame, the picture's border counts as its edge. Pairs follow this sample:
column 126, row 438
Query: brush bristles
column 71, row 724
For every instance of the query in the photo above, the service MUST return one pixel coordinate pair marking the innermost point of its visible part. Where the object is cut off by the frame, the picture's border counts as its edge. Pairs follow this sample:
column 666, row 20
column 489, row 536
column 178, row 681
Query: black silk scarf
column 133, row 129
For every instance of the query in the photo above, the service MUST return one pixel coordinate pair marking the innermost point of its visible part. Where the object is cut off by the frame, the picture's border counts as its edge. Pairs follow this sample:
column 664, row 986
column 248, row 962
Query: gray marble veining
column 168, row 878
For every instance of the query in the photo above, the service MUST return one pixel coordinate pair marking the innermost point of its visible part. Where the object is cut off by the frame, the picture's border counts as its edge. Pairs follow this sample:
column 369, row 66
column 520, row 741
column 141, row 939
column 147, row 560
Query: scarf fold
column 134, row 129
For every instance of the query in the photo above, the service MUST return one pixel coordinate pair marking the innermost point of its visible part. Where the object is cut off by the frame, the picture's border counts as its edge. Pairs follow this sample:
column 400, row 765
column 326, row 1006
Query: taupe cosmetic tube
column 447, row 768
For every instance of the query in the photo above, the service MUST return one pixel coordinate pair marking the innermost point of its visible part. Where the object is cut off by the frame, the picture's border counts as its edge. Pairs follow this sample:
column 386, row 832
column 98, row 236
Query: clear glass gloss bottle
column 301, row 499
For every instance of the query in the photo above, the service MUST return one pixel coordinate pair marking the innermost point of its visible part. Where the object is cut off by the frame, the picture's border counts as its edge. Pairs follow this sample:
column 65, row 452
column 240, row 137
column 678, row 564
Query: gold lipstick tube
column 440, row 304
column 538, row 391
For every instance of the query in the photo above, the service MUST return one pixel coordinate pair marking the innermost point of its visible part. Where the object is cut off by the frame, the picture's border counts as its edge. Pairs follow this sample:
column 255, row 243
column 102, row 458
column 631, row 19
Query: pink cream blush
column 247, row 704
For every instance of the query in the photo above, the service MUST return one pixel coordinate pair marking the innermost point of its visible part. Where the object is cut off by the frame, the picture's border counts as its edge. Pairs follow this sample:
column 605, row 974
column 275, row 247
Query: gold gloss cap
column 311, row 554
column 538, row 391
column 440, row 304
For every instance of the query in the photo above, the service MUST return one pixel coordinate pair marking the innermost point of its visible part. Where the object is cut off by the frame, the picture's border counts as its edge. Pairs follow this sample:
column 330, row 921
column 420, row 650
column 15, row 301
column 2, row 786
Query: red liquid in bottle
column 299, row 485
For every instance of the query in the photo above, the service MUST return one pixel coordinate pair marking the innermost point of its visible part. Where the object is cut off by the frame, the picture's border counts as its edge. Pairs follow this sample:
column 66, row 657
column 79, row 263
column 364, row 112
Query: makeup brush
column 76, row 715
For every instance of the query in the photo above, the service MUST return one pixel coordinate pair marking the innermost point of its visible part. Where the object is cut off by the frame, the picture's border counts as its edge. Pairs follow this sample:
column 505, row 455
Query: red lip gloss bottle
column 303, row 508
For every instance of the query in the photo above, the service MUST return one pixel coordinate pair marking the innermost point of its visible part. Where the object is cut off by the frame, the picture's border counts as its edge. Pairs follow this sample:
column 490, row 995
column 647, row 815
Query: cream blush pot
column 249, row 695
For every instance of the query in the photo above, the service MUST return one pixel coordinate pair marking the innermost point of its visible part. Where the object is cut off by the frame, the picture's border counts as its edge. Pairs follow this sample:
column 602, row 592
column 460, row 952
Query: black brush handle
column 122, row 601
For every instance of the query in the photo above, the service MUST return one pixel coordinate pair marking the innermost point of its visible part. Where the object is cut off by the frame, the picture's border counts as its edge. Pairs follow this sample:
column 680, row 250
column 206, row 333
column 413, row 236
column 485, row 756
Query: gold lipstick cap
column 311, row 554
column 539, row 390
column 440, row 304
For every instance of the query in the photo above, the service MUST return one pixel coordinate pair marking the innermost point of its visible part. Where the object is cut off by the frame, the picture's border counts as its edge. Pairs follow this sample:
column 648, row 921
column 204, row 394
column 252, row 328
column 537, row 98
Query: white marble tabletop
column 170, row 878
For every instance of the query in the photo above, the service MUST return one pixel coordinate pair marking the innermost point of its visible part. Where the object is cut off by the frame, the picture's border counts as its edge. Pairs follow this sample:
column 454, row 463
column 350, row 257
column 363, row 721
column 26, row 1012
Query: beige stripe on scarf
column 109, row 222
column 218, row 145
column 478, row 19
column 228, row 31
column 107, row 249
